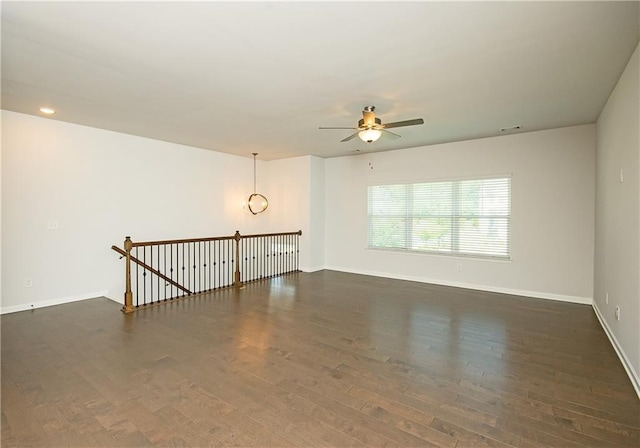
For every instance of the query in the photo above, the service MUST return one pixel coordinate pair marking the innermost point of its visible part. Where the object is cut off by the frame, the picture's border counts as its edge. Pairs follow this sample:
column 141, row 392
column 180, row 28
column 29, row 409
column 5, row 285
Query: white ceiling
column 262, row 77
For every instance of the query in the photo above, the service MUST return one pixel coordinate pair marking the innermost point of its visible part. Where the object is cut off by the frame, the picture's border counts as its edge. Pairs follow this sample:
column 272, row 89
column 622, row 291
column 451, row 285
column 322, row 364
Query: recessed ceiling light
column 47, row 110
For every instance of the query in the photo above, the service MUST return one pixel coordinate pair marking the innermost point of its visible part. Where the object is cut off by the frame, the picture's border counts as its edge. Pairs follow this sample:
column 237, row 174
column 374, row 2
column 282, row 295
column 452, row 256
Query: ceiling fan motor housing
column 362, row 126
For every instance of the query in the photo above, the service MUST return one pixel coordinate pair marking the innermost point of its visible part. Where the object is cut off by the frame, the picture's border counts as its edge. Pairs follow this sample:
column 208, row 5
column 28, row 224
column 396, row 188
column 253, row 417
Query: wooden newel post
column 236, row 280
column 128, row 295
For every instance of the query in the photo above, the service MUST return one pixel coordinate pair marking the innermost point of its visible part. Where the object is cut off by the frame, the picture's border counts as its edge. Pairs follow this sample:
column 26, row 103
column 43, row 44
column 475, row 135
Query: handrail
column 260, row 235
column 149, row 268
column 212, row 238
column 195, row 265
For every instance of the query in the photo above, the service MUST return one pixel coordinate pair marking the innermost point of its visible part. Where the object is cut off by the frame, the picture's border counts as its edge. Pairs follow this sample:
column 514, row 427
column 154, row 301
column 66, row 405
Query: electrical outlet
column 53, row 225
column 28, row 283
column 459, row 267
column 617, row 313
column 606, row 298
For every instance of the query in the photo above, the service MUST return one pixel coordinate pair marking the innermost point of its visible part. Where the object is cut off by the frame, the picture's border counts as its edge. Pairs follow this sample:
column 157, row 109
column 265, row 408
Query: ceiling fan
column 371, row 128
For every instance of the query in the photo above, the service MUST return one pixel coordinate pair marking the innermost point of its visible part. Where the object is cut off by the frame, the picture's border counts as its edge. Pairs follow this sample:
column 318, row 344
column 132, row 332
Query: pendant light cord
column 254, row 171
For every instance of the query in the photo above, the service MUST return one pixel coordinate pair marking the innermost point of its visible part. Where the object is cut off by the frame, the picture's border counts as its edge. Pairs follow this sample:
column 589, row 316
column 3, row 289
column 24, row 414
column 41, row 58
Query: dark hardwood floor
column 322, row 359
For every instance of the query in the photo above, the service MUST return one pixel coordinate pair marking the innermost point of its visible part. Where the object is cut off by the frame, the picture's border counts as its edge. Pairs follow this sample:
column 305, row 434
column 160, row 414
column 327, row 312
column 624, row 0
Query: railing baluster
column 159, row 270
column 273, row 255
column 224, row 264
column 144, row 277
column 243, row 249
column 265, row 257
column 218, row 263
column 137, row 280
column 229, row 263
column 172, row 269
column 181, row 268
column 151, row 278
column 281, row 257
column 280, row 254
column 192, row 265
column 259, row 257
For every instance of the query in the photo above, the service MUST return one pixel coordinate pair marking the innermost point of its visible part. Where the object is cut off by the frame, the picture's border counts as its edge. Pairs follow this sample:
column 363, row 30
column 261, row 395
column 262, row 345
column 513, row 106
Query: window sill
column 480, row 257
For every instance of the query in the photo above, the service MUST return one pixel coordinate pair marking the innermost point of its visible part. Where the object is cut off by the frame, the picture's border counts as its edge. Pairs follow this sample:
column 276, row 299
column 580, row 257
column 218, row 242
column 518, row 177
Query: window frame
column 454, row 216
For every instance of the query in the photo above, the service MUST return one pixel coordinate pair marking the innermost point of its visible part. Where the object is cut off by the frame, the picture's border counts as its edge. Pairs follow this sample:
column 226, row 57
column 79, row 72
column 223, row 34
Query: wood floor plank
column 243, row 428
column 377, row 429
column 7, row 439
column 313, row 376
column 321, row 359
column 627, row 416
column 405, row 418
column 190, row 433
column 466, row 437
column 568, row 433
column 601, row 428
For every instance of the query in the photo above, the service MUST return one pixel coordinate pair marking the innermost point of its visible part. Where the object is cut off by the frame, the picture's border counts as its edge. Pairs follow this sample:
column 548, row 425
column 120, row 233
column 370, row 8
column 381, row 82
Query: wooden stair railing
column 166, row 270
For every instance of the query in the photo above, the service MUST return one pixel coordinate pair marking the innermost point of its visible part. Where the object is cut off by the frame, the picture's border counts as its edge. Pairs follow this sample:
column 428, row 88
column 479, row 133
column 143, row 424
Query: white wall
column 617, row 259
column 0, row 216
column 552, row 212
column 317, row 214
column 101, row 186
column 296, row 189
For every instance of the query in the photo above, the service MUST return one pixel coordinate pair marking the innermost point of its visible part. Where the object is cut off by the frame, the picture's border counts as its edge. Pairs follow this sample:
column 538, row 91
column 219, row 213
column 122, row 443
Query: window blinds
column 465, row 217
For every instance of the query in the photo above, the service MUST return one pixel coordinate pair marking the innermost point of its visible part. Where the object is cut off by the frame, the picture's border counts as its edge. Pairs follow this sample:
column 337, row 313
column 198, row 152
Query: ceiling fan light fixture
column 369, row 135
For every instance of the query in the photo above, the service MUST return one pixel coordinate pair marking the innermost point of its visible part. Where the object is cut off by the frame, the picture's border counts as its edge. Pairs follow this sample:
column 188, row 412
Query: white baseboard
column 313, row 269
column 514, row 292
column 118, row 299
column 44, row 303
column 628, row 367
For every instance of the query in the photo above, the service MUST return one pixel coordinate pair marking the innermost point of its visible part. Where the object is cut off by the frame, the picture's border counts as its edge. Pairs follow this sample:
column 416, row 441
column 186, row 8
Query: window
column 464, row 217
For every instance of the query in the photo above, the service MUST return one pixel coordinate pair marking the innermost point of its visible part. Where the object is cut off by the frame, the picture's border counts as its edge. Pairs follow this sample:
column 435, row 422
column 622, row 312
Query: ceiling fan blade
column 390, row 134
column 333, row 127
column 398, row 124
column 352, row 136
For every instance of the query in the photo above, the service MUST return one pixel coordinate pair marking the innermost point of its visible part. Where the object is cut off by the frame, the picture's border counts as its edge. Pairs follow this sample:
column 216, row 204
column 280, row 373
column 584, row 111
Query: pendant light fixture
column 257, row 203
